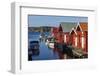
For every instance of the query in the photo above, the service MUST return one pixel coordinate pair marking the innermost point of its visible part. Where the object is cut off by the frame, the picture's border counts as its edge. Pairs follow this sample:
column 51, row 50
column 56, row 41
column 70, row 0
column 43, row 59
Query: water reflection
column 44, row 52
column 39, row 49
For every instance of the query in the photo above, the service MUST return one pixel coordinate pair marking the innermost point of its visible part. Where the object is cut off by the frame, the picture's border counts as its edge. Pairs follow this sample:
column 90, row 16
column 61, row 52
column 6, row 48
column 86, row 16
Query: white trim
column 82, row 41
column 64, row 37
column 74, row 31
column 79, row 26
column 75, row 41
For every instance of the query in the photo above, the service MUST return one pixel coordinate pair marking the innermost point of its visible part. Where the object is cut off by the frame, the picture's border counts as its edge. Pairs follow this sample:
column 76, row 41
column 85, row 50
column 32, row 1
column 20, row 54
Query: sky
column 40, row 20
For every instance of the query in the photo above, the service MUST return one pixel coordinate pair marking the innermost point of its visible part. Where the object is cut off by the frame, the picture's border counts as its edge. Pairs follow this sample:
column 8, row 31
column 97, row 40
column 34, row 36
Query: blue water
column 45, row 52
column 33, row 36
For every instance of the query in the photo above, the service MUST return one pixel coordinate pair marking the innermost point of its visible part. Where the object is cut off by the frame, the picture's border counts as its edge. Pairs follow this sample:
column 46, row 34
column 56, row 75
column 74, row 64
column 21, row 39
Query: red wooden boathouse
column 79, row 36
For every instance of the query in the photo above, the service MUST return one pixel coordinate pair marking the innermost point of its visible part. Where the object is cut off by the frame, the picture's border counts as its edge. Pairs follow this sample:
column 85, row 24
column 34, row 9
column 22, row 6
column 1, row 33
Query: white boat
column 51, row 45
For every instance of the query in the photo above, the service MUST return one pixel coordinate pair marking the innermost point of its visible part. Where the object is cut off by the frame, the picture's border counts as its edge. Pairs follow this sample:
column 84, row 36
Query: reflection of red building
column 79, row 36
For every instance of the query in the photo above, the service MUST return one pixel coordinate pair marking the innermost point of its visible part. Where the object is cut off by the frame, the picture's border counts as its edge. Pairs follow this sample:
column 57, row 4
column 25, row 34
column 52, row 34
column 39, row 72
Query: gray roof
column 67, row 26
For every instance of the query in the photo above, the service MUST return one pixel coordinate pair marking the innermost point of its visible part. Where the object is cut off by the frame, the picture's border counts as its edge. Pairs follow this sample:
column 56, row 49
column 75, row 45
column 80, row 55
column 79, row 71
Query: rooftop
column 67, row 26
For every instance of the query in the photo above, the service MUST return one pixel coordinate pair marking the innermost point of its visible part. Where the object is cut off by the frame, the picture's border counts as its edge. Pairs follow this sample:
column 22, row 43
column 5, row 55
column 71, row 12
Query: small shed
column 80, row 34
column 67, row 27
